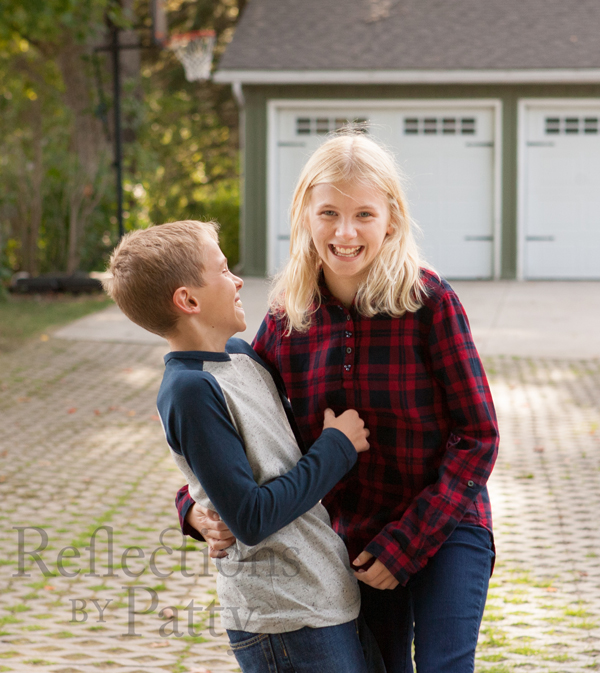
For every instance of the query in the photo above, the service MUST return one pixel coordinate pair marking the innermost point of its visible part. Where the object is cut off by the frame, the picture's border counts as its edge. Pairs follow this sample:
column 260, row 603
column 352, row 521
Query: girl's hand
column 377, row 576
column 209, row 524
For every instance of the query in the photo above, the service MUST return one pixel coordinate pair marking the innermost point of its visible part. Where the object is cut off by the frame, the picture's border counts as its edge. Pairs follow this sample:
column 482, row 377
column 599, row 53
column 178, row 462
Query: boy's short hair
column 148, row 265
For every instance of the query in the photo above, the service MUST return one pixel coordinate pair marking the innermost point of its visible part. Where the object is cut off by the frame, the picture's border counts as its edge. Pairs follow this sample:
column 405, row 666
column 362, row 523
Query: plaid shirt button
column 348, row 335
column 470, row 483
column 348, row 350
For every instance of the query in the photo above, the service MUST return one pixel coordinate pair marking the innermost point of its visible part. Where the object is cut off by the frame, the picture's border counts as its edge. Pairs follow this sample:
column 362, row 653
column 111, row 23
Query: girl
column 357, row 322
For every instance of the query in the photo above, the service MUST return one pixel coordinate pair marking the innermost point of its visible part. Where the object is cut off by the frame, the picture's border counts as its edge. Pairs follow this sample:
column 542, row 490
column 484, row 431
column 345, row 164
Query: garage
column 560, row 189
column 447, row 151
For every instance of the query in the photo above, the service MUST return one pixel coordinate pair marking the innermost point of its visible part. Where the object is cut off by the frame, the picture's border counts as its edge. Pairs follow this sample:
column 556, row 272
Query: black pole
column 117, row 119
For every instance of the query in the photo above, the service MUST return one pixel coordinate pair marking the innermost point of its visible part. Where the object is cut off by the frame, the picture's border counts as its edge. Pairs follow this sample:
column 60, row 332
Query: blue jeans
column 331, row 649
column 440, row 607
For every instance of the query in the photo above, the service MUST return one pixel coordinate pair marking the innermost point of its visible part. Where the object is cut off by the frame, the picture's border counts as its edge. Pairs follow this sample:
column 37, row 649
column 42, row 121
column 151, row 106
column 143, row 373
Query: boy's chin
column 241, row 328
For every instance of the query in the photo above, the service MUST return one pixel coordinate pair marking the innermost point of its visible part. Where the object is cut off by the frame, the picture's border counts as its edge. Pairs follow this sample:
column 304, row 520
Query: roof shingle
column 415, row 35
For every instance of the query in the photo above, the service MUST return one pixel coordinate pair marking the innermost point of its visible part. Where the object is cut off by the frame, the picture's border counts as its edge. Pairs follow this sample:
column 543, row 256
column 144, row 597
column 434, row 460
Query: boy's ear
column 186, row 300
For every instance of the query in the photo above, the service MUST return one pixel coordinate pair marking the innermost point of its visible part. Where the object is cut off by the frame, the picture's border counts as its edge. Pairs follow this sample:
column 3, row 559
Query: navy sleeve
column 198, row 426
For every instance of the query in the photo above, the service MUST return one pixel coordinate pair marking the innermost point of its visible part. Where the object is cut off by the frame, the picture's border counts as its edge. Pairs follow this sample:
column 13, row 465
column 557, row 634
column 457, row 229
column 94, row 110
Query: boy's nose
column 239, row 283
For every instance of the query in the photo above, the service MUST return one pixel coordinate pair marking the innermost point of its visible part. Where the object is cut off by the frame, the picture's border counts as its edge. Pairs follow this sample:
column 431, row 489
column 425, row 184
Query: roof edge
column 512, row 76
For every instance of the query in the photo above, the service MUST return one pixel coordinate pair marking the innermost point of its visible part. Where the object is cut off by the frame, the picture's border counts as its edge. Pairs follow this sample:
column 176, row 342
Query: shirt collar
column 199, row 356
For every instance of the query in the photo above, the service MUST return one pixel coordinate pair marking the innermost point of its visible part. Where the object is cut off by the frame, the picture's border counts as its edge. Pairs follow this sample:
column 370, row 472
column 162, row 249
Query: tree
column 59, row 36
column 56, row 186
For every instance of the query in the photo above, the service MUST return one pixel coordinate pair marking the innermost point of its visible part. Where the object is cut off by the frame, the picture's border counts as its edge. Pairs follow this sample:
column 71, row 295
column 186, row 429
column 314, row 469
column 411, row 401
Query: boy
column 286, row 590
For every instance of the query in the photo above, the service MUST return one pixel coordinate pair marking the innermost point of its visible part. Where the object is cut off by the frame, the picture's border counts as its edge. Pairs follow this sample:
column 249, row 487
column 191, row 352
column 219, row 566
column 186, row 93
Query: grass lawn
column 23, row 317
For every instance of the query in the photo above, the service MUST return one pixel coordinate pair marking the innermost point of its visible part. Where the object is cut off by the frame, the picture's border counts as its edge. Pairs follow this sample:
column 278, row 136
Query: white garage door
column 561, row 192
column 446, row 153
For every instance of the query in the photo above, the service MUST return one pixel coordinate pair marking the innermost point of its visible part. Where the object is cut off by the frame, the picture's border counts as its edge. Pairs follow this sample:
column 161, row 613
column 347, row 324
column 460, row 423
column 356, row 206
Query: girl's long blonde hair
column 393, row 284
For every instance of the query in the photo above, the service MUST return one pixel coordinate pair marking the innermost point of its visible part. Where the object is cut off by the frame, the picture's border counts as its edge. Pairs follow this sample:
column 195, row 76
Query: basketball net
column 194, row 50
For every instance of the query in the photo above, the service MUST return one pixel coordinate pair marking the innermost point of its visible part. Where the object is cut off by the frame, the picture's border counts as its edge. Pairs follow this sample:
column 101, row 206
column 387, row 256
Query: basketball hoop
column 194, row 50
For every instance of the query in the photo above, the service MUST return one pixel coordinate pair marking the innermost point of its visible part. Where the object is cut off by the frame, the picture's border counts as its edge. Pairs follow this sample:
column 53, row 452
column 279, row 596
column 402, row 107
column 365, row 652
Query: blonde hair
column 393, row 284
column 148, row 266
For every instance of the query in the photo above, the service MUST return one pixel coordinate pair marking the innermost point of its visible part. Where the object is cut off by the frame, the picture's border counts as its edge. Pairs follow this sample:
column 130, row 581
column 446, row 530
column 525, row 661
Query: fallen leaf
column 164, row 643
column 167, row 613
column 131, row 413
column 71, row 410
column 128, row 370
column 44, row 337
column 4, row 453
column 2, row 478
column 23, row 399
column 97, row 412
column 154, row 417
column 552, row 589
column 539, row 449
column 49, row 587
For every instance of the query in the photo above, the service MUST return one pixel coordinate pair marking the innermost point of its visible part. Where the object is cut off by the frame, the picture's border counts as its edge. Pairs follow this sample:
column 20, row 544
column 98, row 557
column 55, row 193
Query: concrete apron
column 525, row 319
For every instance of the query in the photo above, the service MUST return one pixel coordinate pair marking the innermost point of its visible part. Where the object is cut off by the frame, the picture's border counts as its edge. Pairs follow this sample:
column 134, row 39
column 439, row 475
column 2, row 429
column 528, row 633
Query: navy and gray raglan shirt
column 232, row 434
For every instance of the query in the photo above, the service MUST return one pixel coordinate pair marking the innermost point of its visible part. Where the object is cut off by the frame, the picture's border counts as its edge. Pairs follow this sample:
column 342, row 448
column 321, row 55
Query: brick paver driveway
column 86, row 479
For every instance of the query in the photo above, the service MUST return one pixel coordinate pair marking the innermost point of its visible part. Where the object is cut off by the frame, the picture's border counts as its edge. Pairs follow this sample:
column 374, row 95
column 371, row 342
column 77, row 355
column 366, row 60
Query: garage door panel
column 447, row 157
column 562, row 182
column 556, row 261
column 450, row 187
column 291, row 159
column 591, row 215
column 475, row 264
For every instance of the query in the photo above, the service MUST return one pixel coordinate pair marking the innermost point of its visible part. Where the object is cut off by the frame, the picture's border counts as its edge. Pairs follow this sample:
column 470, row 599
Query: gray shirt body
column 299, row 575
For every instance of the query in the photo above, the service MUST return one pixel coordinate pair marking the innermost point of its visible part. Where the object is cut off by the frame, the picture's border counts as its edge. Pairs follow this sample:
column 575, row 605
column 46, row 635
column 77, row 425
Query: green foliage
column 180, row 154
column 45, row 22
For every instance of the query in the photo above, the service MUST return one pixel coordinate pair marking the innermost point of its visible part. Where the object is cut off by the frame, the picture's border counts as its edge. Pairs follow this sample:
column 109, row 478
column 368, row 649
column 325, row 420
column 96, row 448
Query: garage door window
column 306, row 126
column 571, row 125
column 443, row 125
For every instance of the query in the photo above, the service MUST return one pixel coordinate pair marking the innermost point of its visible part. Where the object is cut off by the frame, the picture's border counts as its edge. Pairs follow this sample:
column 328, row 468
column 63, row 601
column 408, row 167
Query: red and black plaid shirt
column 419, row 385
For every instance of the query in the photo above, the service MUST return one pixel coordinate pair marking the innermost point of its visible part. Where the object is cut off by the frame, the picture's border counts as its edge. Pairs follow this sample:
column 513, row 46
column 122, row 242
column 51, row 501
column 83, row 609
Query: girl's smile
column 348, row 253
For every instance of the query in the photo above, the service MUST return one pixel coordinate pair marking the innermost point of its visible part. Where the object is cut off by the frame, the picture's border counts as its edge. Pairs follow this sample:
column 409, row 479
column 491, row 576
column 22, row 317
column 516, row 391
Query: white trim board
column 522, row 108
column 273, row 105
column 522, row 76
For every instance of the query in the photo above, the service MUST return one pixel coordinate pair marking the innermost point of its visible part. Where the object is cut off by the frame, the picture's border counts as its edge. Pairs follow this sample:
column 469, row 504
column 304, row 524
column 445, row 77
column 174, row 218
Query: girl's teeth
column 346, row 252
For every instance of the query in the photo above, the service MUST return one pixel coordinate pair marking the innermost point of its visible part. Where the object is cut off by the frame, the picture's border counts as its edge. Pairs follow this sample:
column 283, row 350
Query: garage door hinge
column 531, row 143
column 481, row 144
column 539, row 238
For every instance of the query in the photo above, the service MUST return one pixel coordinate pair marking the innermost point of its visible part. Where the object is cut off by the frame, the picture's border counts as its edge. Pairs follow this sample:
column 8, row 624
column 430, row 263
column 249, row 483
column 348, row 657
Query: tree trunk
column 88, row 145
column 37, row 177
column 30, row 189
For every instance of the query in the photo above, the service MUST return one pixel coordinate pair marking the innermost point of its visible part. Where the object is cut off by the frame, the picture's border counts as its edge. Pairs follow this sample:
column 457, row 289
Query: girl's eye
column 365, row 213
column 328, row 213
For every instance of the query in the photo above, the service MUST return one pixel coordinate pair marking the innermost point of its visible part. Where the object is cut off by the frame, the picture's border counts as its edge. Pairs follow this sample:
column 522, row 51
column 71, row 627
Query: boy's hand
column 352, row 425
column 377, row 575
column 209, row 524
